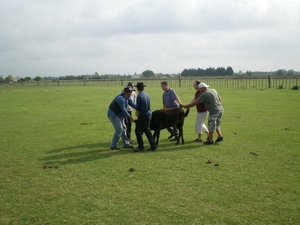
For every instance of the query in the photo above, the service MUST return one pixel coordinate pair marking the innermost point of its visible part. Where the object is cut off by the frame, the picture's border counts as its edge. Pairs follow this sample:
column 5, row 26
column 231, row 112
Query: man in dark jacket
column 144, row 114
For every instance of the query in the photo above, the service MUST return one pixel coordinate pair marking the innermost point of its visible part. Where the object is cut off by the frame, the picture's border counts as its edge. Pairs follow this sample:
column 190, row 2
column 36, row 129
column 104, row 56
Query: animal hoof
column 209, row 161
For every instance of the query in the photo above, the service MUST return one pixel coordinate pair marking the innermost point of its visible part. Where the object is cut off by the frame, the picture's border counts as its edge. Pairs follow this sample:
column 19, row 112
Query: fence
column 223, row 82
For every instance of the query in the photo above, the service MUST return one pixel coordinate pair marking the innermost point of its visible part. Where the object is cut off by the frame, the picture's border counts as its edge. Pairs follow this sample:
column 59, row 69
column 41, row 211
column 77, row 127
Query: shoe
column 151, row 149
column 138, row 149
column 172, row 135
column 208, row 142
column 115, row 148
column 128, row 146
column 197, row 140
column 219, row 139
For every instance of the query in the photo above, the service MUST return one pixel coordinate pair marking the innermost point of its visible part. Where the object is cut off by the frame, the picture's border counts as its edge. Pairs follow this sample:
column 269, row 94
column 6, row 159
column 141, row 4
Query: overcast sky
column 76, row 37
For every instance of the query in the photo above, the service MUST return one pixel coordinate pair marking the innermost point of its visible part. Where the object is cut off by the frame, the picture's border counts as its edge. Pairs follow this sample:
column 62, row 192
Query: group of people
column 120, row 115
column 207, row 101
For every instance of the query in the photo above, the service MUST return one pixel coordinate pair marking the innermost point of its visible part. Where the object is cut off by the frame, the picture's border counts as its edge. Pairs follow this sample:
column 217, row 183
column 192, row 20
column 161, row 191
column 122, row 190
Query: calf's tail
column 186, row 113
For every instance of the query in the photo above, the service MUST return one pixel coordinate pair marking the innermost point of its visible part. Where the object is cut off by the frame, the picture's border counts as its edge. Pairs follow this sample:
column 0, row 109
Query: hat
column 140, row 84
column 128, row 89
column 203, row 85
column 130, row 84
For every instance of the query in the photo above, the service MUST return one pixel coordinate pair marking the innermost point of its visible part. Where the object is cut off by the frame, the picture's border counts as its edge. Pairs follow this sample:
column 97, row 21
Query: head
column 164, row 85
column 130, row 84
column 196, row 83
column 127, row 91
column 203, row 87
column 140, row 86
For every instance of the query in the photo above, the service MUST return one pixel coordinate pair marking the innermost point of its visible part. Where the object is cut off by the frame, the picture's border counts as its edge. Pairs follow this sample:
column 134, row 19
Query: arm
column 189, row 105
column 178, row 100
column 194, row 99
column 121, row 102
column 131, row 103
column 176, row 97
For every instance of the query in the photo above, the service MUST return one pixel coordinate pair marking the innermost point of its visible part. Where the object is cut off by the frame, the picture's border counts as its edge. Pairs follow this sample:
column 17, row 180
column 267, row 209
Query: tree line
column 211, row 71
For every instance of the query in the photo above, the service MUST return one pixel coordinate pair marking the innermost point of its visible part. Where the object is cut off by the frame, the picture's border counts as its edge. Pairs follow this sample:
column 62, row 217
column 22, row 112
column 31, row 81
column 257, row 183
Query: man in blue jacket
column 117, row 113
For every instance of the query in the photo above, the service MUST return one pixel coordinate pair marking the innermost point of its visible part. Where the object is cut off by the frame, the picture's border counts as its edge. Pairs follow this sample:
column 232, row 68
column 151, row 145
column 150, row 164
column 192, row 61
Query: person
column 117, row 113
column 144, row 115
column 200, row 127
column 128, row 123
column 212, row 102
column 170, row 100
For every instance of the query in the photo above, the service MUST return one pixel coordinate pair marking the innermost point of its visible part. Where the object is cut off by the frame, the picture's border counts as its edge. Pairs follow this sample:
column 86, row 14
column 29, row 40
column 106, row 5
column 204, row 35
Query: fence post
column 269, row 81
column 179, row 81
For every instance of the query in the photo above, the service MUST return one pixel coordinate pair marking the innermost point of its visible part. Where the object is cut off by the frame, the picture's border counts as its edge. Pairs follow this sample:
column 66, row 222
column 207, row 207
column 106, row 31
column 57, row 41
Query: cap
column 203, row 85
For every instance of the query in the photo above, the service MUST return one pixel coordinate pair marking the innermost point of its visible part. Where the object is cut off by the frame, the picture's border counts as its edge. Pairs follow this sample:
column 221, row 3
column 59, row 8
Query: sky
column 77, row 37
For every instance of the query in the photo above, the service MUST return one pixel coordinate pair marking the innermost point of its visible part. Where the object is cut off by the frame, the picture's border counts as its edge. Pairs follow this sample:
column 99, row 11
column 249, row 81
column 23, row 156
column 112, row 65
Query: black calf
column 164, row 118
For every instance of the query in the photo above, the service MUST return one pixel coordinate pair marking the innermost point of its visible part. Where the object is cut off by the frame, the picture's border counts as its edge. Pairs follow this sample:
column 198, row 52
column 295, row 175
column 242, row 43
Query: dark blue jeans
column 143, row 126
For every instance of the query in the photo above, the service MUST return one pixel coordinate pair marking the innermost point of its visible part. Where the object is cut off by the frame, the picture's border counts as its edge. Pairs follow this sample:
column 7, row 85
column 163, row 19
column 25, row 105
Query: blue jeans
column 120, row 131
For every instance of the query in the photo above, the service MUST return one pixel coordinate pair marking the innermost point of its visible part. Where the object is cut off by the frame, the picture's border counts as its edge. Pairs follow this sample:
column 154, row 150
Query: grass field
column 66, row 128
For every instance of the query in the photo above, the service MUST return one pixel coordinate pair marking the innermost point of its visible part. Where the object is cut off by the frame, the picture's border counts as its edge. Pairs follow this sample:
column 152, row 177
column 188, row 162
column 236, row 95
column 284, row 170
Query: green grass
column 67, row 127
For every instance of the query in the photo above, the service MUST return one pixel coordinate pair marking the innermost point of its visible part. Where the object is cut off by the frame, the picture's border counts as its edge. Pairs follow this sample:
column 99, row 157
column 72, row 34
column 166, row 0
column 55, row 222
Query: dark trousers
column 128, row 125
column 143, row 126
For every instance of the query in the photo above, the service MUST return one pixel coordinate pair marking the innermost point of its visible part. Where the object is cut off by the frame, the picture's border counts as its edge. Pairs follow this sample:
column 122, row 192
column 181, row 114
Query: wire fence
column 216, row 82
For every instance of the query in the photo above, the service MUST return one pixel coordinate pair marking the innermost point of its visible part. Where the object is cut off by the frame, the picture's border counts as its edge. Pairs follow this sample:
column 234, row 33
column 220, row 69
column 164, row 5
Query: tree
column 220, row 71
column 229, row 71
column 27, row 79
column 290, row 72
column 281, row 72
column 96, row 76
column 9, row 78
column 38, row 78
column 1, row 79
column 148, row 74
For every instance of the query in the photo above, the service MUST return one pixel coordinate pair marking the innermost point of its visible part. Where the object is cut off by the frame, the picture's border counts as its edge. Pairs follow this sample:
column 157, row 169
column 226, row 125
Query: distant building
column 136, row 76
column 16, row 79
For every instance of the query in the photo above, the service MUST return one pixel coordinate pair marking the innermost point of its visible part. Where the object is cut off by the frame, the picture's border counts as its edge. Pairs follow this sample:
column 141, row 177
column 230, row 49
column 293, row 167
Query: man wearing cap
column 117, row 113
column 144, row 115
column 212, row 102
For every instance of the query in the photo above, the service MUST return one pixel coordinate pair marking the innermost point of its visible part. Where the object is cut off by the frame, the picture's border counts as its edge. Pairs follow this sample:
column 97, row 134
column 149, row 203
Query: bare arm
column 178, row 100
column 190, row 105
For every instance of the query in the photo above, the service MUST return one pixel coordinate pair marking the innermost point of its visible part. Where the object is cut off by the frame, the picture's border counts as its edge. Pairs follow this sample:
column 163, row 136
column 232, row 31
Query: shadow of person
column 81, row 154
column 96, row 151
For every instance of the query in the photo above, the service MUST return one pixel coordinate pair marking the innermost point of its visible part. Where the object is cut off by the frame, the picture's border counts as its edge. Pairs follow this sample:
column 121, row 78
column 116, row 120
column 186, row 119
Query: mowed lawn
column 56, row 166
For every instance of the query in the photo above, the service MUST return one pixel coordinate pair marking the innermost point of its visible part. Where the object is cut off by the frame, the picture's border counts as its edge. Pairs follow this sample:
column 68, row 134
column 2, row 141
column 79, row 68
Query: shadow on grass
column 92, row 152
